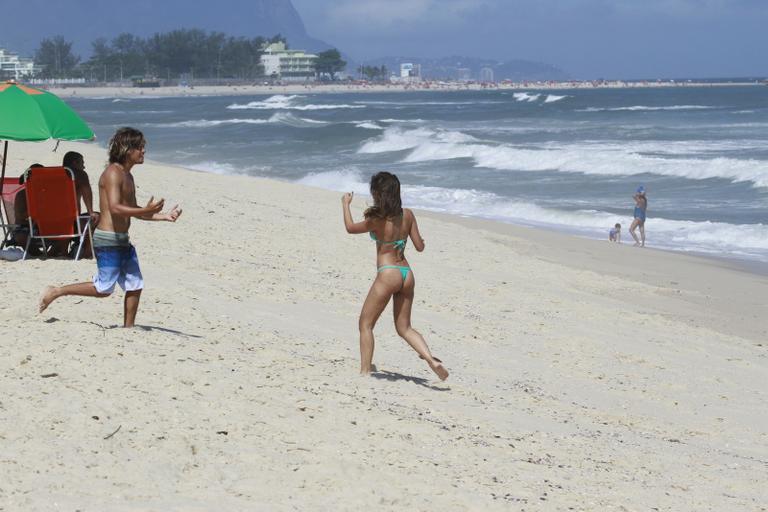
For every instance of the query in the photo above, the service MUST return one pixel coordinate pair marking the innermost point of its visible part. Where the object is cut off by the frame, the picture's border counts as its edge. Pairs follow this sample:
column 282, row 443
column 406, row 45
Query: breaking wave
column 282, row 102
column 586, row 158
column 643, row 108
column 278, row 118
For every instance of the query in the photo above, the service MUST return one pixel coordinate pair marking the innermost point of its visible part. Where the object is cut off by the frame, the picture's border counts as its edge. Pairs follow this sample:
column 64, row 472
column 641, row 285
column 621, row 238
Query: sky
column 585, row 38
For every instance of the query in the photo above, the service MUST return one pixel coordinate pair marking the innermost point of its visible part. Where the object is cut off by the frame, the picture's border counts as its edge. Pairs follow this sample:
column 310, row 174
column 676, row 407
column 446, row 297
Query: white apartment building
column 409, row 72
column 288, row 65
column 14, row 67
column 486, row 75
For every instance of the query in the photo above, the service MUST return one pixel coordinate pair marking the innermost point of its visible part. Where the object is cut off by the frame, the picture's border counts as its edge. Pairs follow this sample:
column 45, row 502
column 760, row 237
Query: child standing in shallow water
column 389, row 225
column 614, row 235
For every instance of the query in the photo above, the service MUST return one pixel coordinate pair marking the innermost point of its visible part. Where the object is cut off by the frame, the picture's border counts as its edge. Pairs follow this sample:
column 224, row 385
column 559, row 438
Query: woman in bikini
column 389, row 226
column 641, row 206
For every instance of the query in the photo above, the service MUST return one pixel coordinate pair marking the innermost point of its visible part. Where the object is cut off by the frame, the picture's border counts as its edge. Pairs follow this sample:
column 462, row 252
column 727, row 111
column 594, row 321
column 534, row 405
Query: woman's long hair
column 385, row 190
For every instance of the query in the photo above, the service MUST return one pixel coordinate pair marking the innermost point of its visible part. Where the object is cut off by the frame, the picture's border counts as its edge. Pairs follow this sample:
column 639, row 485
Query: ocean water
column 564, row 160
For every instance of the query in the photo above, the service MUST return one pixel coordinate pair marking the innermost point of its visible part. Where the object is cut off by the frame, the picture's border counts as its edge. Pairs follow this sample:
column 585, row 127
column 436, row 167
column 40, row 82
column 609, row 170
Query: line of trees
column 179, row 53
column 329, row 63
column 374, row 73
column 56, row 55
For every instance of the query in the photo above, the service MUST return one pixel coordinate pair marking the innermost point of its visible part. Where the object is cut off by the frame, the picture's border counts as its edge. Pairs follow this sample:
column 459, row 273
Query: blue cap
column 641, row 189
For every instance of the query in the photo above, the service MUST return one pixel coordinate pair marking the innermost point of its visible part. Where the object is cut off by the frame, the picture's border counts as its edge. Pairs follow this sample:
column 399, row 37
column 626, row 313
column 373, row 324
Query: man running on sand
column 115, row 256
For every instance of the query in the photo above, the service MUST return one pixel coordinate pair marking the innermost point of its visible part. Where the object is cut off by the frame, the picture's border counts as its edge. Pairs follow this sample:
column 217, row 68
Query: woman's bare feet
column 438, row 368
column 48, row 296
column 368, row 373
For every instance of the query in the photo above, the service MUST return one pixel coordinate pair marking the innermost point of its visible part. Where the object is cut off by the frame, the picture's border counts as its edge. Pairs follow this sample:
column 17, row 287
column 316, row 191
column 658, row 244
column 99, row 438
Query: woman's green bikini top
column 397, row 244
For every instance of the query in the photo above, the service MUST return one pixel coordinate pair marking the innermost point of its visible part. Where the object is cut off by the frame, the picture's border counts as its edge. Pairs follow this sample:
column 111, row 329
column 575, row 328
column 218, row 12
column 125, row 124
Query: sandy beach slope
column 584, row 375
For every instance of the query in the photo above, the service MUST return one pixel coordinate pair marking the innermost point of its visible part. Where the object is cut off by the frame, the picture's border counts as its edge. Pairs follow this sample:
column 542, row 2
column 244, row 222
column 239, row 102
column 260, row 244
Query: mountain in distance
column 469, row 68
column 83, row 21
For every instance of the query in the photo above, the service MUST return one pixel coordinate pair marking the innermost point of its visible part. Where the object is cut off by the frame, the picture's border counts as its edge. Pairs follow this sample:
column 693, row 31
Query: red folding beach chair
column 11, row 187
column 52, row 206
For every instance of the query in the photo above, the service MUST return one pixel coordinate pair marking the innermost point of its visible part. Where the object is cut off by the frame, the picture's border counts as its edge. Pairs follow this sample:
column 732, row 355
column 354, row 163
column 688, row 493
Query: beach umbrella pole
column 2, row 180
column 5, row 157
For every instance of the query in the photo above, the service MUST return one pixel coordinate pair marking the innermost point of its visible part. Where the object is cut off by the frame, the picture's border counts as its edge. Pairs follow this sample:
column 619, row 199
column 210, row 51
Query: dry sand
column 584, row 375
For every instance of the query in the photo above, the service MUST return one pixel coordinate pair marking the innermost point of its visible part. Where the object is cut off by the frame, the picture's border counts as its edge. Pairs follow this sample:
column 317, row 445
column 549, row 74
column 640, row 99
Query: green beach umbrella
column 29, row 114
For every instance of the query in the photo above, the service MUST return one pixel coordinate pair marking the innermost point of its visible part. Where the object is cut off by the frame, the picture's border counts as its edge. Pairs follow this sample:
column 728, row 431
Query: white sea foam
column 277, row 118
column 586, row 158
column 643, row 108
column 427, row 103
column 225, row 168
column 297, row 122
column 525, row 96
column 344, row 180
column 403, row 121
column 132, row 112
column 282, row 102
column 214, row 167
column 533, row 98
column 750, row 240
column 397, row 139
column 206, row 123
column 368, row 125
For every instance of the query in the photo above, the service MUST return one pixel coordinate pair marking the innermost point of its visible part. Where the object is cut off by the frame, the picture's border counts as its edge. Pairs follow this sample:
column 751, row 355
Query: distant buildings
column 288, row 65
column 464, row 74
column 486, row 75
column 14, row 67
column 409, row 72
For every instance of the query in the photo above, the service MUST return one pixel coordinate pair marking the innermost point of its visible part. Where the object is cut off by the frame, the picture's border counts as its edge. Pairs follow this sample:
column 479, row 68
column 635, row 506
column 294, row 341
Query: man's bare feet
column 48, row 296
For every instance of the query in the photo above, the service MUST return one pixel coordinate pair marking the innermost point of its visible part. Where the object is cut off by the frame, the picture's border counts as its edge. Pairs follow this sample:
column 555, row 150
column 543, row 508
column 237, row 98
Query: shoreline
column 667, row 271
column 584, row 375
column 128, row 91
column 747, row 265
column 751, row 262
column 642, row 259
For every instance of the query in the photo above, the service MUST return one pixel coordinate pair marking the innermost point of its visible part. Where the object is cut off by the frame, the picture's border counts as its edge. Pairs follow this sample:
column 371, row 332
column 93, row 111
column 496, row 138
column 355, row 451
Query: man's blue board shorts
column 117, row 265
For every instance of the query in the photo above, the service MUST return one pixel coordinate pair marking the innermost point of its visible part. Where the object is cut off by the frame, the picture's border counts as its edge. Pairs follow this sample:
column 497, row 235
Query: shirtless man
column 115, row 256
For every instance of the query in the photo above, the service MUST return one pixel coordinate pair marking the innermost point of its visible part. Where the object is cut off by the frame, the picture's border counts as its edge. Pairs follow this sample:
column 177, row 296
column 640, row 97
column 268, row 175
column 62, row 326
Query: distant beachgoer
column 115, row 256
column 389, row 225
column 641, row 206
column 614, row 235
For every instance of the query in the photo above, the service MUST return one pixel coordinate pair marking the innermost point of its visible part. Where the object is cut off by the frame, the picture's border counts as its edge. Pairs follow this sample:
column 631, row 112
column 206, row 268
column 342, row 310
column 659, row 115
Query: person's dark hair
column 617, row 225
column 124, row 140
column 70, row 158
column 385, row 190
column 24, row 176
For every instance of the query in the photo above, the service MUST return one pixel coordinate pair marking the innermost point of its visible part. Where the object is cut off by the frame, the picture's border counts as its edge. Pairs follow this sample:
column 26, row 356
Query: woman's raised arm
column 353, row 228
